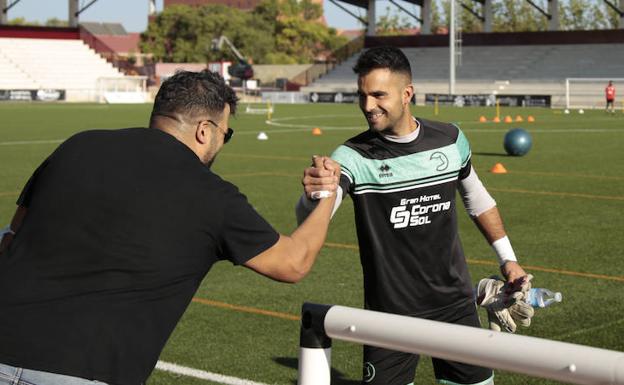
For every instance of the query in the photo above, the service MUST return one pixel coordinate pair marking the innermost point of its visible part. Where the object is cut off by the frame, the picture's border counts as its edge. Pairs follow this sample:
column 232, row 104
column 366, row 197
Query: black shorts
column 387, row 367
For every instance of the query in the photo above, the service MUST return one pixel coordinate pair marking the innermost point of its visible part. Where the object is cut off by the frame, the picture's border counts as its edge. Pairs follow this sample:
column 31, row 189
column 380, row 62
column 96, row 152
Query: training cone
column 496, row 119
column 482, row 119
column 519, row 118
column 317, row 131
column 262, row 136
column 508, row 119
column 530, row 119
column 498, row 169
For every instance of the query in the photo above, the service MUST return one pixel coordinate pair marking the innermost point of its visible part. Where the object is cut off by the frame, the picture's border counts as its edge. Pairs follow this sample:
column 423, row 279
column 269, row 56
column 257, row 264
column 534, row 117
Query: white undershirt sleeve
column 476, row 198
column 305, row 206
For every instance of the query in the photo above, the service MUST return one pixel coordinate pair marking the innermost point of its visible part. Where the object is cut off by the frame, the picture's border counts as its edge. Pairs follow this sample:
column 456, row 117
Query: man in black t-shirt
column 115, row 231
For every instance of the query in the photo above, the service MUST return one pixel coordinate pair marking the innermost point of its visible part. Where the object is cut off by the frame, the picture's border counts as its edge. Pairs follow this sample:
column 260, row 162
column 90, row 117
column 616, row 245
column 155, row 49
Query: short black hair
column 194, row 93
column 391, row 58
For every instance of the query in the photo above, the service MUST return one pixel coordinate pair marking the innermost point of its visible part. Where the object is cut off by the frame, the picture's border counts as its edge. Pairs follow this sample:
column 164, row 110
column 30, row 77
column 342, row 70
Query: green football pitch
column 562, row 204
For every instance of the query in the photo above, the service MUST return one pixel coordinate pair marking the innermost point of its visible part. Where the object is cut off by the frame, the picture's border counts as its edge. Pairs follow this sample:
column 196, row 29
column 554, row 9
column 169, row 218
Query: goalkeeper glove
column 521, row 311
column 492, row 297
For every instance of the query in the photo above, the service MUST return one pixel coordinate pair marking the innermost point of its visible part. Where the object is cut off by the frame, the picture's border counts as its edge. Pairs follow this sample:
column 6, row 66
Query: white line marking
column 592, row 329
column 203, row 375
column 278, row 123
column 303, row 127
column 19, row 142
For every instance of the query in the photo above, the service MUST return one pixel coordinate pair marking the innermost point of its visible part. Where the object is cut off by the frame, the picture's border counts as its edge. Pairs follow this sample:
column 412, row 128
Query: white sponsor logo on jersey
column 416, row 211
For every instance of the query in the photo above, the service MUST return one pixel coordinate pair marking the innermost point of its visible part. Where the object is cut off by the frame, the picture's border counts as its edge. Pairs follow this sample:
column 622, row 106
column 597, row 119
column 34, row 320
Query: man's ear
column 202, row 132
column 408, row 93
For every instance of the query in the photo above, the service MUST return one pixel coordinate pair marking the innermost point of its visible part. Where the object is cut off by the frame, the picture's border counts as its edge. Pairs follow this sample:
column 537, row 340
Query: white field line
column 283, row 122
column 203, row 375
column 302, row 127
column 21, row 142
column 587, row 330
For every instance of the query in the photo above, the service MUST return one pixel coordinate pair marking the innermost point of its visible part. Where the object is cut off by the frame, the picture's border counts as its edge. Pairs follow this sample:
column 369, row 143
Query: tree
column 517, row 16
column 299, row 35
column 392, row 24
column 54, row 22
column 277, row 31
column 184, row 34
column 22, row 21
column 599, row 16
column 467, row 22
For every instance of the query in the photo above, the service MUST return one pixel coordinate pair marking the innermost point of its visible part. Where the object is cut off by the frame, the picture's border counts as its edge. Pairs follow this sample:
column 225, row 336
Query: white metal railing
column 538, row 357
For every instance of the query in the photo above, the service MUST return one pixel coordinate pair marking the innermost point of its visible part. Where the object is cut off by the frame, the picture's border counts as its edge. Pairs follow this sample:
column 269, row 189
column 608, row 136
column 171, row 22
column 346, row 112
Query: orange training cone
column 482, row 119
column 317, row 131
column 530, row 119
column 496, row 119
column 498, row 169
column 508, row 119
column 519, row 118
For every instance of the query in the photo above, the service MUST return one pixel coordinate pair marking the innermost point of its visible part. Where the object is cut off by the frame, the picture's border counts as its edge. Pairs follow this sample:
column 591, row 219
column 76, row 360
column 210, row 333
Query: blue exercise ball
column 517, row 142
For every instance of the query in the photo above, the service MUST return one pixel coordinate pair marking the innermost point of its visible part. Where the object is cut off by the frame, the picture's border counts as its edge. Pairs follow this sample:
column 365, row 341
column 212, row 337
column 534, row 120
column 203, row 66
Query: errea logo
column 385, row 171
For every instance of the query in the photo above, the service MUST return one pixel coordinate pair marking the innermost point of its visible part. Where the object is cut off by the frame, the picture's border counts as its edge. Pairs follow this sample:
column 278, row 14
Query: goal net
column 590, row 92
column 259, row 109
column 122, row 89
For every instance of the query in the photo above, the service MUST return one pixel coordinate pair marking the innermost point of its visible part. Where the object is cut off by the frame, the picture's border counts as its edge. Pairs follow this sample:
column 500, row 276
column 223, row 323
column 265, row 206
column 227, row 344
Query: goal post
column 590, row 92
column 122, row 89
column 265, row 109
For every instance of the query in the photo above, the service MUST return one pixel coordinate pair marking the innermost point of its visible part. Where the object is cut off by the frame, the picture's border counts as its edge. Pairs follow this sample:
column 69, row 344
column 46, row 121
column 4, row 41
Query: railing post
column 314, row 346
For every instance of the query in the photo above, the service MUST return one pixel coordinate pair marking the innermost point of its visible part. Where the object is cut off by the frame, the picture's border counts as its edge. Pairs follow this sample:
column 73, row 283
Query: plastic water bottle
column 540, row 297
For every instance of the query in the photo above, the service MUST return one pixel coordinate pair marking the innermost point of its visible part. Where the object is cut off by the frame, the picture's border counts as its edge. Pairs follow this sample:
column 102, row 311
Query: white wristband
column 7, row 230
column 504, row 251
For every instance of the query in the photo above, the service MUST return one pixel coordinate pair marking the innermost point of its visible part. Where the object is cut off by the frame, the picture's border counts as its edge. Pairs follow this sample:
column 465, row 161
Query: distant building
column 115, row 44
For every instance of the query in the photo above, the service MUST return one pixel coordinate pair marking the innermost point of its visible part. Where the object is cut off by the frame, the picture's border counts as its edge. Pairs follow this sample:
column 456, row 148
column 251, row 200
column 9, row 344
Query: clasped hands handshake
column 321, row 179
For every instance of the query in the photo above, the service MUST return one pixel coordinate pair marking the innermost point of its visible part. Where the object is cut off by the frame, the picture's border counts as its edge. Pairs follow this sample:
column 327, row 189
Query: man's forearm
column 313, row 231
column 304, row 206
column 491, row 225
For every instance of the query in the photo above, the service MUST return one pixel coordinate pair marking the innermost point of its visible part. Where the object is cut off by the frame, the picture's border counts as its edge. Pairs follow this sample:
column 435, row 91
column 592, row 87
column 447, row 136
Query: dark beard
column 209, row 162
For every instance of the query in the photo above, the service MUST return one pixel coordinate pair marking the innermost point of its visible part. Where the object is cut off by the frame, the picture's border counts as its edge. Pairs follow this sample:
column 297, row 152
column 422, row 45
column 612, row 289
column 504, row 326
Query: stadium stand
column 66, row 64
column 509, row 69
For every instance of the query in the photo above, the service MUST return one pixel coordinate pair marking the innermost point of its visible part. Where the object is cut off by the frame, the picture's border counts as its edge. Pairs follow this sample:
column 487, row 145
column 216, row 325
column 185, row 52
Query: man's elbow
column 298, row 269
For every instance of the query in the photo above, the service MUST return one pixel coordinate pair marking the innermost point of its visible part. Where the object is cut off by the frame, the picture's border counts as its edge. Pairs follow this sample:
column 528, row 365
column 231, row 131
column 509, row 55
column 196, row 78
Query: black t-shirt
column 404, row 200
column 121, row 228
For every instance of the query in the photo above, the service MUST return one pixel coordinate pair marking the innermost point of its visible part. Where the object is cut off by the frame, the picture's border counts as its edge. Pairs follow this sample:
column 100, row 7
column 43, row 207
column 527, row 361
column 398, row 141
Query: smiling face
column 384, row 99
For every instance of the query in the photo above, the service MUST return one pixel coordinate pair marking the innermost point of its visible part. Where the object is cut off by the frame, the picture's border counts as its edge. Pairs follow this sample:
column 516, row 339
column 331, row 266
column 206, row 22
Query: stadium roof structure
column 104, row 28
column 481, row 9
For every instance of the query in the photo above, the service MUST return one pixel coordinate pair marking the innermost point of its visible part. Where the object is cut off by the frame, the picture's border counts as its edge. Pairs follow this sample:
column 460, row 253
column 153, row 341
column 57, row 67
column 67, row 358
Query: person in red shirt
column 610, row 94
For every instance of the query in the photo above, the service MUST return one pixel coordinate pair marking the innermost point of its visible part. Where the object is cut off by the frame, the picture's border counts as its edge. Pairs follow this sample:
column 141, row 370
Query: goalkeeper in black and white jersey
column 402, row 175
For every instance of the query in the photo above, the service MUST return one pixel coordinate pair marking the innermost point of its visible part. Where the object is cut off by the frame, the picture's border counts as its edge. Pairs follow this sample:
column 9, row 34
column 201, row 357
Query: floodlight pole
column 425, row 15
column 4, row 17
column 75, row 11
column 5, row 10
column 452, row 49
column 371, row 18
